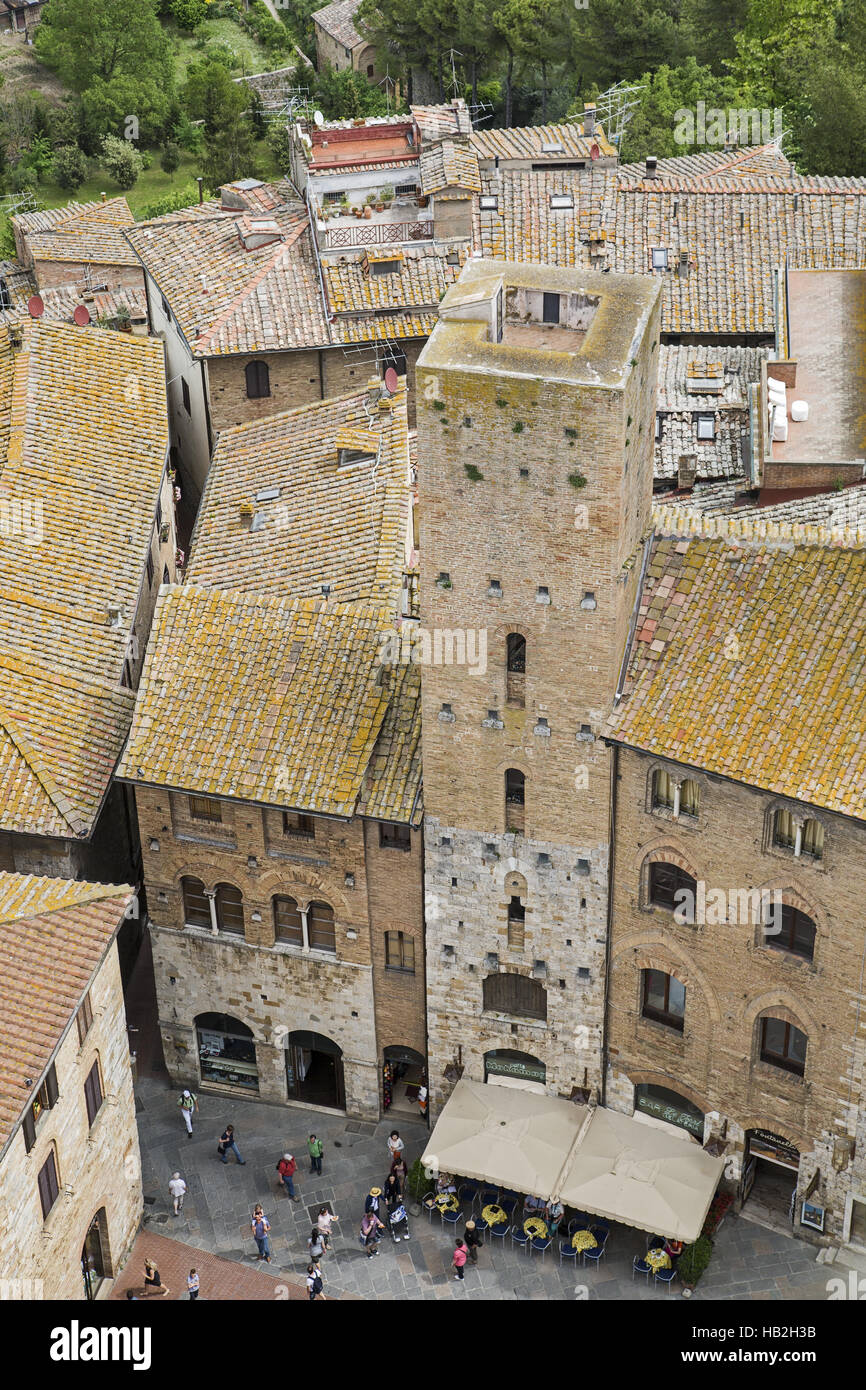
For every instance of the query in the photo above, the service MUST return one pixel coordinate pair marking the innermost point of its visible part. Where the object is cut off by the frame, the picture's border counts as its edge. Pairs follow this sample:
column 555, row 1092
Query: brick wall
column 50, row 274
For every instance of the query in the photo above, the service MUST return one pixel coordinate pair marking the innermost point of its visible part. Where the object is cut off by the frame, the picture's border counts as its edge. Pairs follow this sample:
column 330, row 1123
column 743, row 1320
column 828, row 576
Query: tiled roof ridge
column 672, row 521
column 282, row 249
column 40, row 771
column 83, row 892
column 710, row 182
column 750, row 152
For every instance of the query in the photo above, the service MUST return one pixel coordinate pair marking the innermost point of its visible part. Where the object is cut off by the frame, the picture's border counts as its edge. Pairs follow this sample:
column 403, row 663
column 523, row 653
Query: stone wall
column 51, row 274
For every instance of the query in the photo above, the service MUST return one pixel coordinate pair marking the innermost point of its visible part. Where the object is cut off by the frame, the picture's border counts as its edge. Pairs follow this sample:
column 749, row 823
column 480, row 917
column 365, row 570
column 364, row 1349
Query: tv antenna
column 615, row 108
column 455, row 85
column 389, row 84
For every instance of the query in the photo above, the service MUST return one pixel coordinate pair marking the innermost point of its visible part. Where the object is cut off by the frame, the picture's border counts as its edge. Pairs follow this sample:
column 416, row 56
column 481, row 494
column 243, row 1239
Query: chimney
column 200, row 182
column 683, row 264
column 102, row 196
column 16, row 336
column 588, row 117
column 245, row 511
column 651, row 166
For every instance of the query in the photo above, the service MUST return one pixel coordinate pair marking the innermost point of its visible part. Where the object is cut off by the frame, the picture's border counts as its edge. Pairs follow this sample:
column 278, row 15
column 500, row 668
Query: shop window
column 229, row 909
column 301, row 827
column 49, row 1184
column 205, row 808
column 783, row 1045
column 664, row 999
column 227, row 1052
column 393, row 836
column 669, row 1106
column 796, row 934
column 663, row 791
column 288, row 925
column 515, row 994
column 665, row 881
column 520, row 1065
column 84, row 1017
column 399, row 951
column 516, row 924
column 320, row 918
column 258, row 380
column 93, row 1093
column 196, row 910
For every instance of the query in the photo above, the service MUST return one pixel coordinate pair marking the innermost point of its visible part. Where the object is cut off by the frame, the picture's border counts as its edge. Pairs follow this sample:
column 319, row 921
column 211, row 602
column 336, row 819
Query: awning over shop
column 507, row 1137
column 641, row 1175
column 595, row 1160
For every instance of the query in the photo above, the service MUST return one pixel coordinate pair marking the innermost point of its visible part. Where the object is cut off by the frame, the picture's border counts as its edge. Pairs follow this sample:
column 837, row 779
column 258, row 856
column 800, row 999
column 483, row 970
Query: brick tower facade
column 536, row 405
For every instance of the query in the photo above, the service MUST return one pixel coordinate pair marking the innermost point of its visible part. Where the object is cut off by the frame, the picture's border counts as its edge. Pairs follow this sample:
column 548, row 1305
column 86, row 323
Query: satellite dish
column 81, row 316
column 318, row 118
column 594, row 151
column 391, row 380
column 36, row 306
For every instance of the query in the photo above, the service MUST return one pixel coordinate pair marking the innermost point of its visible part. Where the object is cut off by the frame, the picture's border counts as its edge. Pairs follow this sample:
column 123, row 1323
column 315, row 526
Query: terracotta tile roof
column 449, row 165
column 53, row 936
column 401, row 304
column 338, row 21
column 79, row 232
column 320, row 522
column 724, row 456
column 392, row 785
column 726, row 372
column 274, row 700
column 525, row 228
column 528, row 142
column 754, row 159
column 748, row 657
column 83, row 440
column 441, row 121
column 833, row 512
column 227, row 299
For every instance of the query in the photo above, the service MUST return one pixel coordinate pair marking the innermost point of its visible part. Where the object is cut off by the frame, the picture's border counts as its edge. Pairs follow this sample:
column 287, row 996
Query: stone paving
column 749, row 1262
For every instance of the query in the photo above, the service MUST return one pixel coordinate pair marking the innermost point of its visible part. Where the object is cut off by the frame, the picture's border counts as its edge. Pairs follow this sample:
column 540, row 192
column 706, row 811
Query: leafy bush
column 22, row 179
column 70, row 167
column 170, row 161
column 416, row 1181
column 185, row 197
column 280, row 146
column 189, row 13
column 121, row 160
column 694, row 1260
column 39, row 157
column 187, row 135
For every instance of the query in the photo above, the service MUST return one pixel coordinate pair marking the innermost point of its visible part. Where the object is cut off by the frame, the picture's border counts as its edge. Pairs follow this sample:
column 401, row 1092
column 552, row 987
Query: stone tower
column 536, row 409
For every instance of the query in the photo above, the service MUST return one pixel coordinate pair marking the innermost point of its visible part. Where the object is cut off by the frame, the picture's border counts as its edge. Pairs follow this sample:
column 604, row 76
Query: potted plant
column 387, row 195
column 417, row 1184
column 344, row 206
column 368, row 211
column 693, row 1262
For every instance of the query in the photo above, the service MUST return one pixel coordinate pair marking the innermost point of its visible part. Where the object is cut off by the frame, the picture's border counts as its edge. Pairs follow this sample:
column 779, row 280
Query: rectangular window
column 399, row 952
column 405, row 188
column 203, row 808
column 706, row 427
column 46, row 1096
column 516, row 924
column 658, row 427
column 394, row 836
column 664, row 999
column 84, row 1017
column 93, row 1093
column 783, row 830
column 783, row 1045
column 184, row 391
column 165, row 309
column 49, row 1187
column 302, row 827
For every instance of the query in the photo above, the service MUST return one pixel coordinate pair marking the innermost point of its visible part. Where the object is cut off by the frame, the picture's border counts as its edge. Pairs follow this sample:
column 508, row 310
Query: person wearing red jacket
column 287, row 1167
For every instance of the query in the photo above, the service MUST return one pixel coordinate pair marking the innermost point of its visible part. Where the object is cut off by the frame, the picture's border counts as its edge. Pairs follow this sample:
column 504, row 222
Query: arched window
column 93, row 1096
column 321, row 924
column 690, row 798
column 664, row 999
column 258, row 380
column 516, row 924
column 196, row 912
column 515, row 800
column 784, row 832
column 783, row 1045
column 515, row 670
column 663, row 790
column 813, row 839
column 287, row 921
column 515, row 994
column 519, row 1065
column 665, row 882
column 794, row 933
column 230, row 909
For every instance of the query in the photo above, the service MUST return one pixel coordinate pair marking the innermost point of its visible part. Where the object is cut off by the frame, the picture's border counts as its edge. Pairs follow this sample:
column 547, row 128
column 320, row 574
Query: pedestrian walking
column 472, row 1240
column 188, row 1106
column 324, row 1222
column 316, row 1244
column 422, row 1101
column 261, row 1225
column 315, row 1285
column 393, row 1191
column 192, row 1284
column 401, row 1173
column 395, row 1147
column 316, row 1148
column 153, row 1281
column 227, row 1141
column 287, row 1168
column 370, row 1228
column 459, row 1258
column 177, row 1189
column 374, row 1201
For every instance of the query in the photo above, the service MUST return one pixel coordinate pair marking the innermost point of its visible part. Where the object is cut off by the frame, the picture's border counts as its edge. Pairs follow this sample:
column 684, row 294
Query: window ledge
column 663, row 1030
column 766, row 1071
column 789, row 857
column 399, row 970
column 785, row 958
column 183, row 837
column 537, row 1024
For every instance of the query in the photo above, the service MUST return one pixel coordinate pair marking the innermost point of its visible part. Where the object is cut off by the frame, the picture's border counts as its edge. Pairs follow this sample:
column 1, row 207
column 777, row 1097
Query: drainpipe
column 614, row 772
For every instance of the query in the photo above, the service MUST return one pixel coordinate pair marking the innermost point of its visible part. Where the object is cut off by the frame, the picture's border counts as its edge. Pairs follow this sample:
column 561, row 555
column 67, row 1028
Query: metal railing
column 364, row 233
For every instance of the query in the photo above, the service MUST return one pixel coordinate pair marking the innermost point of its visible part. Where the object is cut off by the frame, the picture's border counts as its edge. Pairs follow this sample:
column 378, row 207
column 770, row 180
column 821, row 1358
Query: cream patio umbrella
column 506, row 1137
column 641, row 1176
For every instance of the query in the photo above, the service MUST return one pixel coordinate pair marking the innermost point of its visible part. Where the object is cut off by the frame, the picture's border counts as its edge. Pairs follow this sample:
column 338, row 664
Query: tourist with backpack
column 188, row 1106
column 315, row 1284
column 260, row 1226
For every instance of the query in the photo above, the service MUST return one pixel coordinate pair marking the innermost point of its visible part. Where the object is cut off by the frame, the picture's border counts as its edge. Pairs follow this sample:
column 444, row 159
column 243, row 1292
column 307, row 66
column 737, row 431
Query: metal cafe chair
column 665, row 1276
column 540, row 1244
column 640, row 1266
column 519, row 1237
column 568, row 1252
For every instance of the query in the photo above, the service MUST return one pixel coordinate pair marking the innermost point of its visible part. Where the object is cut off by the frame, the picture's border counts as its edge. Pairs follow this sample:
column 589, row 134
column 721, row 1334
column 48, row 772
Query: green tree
column 39, row 157
column 70, row 167
column 189, row 13
column 617, row 40
column 121, row 160
column 655, row 127
column 344, row 95
column 170, row 160
column 211, row 96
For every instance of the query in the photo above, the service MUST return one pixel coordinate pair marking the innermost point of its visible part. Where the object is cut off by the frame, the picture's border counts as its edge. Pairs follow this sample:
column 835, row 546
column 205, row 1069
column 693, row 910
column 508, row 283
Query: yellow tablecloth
column 657, row 1259
column 534, row 1226
column 584, row 1240
column 446, row 1201
column 494, row 1215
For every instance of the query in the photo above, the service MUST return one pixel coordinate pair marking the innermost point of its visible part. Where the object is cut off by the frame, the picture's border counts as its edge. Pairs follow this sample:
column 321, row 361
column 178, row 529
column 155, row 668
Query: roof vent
column 652, row 167
column 683, row 265
column 114, row 615
column 258, row 231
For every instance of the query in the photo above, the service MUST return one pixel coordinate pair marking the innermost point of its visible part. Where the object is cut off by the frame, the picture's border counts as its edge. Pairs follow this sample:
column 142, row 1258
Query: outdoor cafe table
column 534, row 1226
column 583, row 1240
column 658, row 1259
column 494, row 1215
column 446, row 1201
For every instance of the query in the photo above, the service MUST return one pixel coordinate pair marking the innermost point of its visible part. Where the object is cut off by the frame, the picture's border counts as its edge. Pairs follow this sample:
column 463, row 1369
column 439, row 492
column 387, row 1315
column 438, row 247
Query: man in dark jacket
column 472, row 1241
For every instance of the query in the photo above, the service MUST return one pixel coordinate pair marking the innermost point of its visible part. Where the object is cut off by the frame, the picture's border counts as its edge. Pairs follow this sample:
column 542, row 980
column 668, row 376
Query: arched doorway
column 227, row 1053
column 771, row 1167
column 669, row 1106
column 403, row 1071
column 507, row 1068
column 314, row 1070
column 95, row 1255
